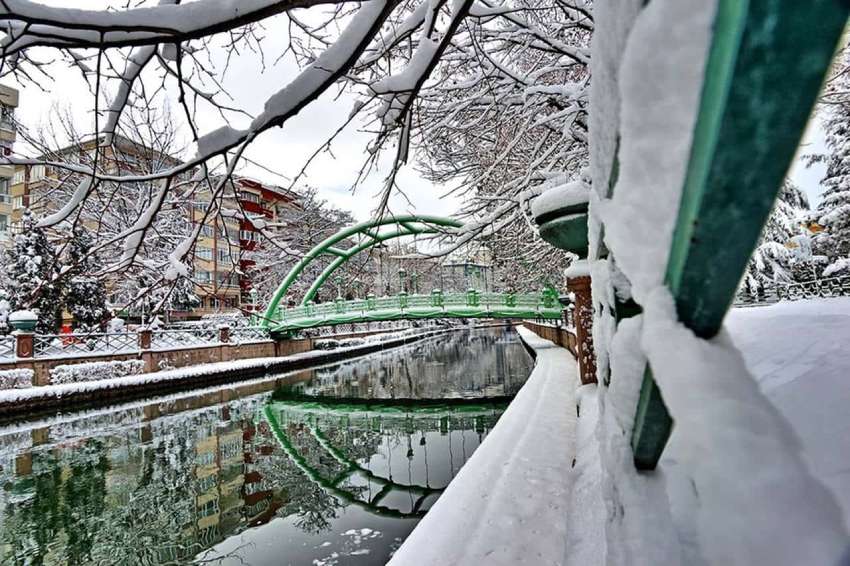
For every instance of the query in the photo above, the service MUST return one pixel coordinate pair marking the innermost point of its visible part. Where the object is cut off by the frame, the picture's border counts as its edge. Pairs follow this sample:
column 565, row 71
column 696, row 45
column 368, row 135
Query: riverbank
column 39, row 400
column 508, row 504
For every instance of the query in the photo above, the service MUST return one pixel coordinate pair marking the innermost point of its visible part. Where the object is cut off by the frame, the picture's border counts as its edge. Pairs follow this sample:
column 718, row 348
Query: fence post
column 145, row 339
column 583, row 318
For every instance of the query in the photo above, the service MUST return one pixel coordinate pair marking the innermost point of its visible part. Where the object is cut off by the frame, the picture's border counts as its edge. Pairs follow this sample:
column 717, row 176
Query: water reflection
column 472, row 364
column 216, row 479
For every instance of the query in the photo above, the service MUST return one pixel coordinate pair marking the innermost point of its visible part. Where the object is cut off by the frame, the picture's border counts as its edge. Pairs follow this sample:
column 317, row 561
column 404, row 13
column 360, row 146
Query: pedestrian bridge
column 338, row 249
column 471, row 304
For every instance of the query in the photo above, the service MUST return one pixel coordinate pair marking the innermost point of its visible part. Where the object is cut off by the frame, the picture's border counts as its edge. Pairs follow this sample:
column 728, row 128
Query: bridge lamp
column 414, row 282
column 338, row 281
column 356, row 284
column 401, row 275
column 253, row 293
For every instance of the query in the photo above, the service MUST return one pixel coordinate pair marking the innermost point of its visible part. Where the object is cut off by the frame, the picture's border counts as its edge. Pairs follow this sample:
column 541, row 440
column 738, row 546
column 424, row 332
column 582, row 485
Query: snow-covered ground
column 507, row 506
column 800, row 354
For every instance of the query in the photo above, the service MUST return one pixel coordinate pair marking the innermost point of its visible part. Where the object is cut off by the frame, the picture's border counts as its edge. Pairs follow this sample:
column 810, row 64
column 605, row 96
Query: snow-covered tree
column 31, row 271
column 490, row 97
column 776, row 258
column 833, row 212
column 84, row 293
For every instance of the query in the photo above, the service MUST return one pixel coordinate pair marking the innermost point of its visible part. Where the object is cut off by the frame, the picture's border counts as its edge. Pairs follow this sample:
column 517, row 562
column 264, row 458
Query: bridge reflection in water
column 218, row 476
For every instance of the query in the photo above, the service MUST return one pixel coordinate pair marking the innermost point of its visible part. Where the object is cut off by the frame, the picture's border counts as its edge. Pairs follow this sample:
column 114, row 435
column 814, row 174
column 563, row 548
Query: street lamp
column 356, row 284
column 401, row 275
column 253, row 293
column 338, row 281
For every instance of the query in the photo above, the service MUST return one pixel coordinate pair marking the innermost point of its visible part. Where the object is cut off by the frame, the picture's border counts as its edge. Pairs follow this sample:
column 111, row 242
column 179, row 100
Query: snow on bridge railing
column 7, row 347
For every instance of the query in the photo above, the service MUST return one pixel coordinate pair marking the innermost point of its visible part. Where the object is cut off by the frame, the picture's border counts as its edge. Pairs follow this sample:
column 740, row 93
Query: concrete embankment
column 38, row 400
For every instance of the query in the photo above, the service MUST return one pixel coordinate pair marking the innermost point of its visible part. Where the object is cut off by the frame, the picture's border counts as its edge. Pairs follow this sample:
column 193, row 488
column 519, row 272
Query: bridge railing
column 403, row 302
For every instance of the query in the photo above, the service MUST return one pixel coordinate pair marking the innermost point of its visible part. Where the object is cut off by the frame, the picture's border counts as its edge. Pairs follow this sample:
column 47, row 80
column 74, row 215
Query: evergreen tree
column 84, row 293
column 833, row 213
column 775, row 258
column 31, row 273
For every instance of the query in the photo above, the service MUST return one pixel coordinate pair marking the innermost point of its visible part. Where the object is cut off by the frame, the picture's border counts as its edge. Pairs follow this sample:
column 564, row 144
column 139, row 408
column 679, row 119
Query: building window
column 7, row 117
column 18, row 177
column 207, row 231
column 4, row 190
column 4, row 224
column 249, row 235
column 18, row 201
column 224, row 255
column 250, row 197
column 202, row 276
column 204, row 253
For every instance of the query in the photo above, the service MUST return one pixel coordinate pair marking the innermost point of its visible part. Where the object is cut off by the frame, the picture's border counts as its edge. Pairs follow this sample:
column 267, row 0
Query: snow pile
column 798, row 354
column 16, row 378
column 508, row 503
column 94, row 371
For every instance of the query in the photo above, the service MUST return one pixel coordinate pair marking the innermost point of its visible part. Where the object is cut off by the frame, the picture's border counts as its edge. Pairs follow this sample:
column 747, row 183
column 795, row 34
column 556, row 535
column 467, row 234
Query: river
column 329, row 466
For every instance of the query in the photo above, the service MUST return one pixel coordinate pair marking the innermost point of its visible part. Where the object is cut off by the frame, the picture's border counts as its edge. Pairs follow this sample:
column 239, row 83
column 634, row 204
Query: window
column 249, row 235
column 18, row 177
column 37, row 173
column 250, row 197
column 204, row 253
column 224, row 255
column 227, row 279
column 4, row 224
column 207, row 232
column 4, row 190
column 18, row 201
column 7, row 117
column 202, row 276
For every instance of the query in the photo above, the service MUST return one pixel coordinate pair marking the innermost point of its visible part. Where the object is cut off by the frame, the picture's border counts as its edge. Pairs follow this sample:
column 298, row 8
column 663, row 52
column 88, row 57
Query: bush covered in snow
column 94, row 371
column 16, row 378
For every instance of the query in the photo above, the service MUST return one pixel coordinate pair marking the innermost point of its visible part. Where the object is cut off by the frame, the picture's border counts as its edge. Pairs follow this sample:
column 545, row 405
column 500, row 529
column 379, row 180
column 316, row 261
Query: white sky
column 285, row 150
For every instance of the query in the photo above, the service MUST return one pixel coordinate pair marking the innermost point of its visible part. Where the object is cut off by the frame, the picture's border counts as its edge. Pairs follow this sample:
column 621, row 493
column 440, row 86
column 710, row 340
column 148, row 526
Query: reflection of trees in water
column 162, row 483
column 463, row 364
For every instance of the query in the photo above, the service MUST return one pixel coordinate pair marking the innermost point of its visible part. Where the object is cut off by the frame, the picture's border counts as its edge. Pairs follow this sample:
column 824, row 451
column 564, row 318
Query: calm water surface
column 317, row 467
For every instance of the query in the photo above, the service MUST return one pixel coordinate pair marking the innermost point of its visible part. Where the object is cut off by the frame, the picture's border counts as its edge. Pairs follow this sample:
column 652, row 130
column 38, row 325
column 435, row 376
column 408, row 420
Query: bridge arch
column 370, row 231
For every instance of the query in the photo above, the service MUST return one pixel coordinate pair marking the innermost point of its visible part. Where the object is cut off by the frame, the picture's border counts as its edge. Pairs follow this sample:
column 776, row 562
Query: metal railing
column 184, row 338
column 813, row 289
column 69, row 345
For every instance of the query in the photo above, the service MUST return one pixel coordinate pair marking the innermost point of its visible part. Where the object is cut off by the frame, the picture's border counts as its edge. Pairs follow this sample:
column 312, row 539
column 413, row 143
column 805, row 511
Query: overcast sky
column 285, row 150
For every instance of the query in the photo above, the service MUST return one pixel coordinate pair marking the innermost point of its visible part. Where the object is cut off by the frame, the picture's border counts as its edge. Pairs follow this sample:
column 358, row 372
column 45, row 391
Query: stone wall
column 559, row 335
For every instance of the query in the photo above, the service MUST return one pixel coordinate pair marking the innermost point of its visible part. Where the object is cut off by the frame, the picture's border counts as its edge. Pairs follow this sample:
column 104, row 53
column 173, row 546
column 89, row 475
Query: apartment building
column 8, row 103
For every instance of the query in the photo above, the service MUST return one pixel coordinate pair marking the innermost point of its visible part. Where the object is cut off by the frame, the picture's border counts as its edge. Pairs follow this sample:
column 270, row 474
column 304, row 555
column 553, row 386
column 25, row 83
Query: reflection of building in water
column 164, row 483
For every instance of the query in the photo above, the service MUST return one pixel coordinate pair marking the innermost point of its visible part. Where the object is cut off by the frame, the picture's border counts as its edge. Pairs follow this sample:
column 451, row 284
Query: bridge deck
column 460, row 305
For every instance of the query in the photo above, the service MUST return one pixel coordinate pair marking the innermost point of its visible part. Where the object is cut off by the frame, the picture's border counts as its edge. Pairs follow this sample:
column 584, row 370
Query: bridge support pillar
column 583, row 316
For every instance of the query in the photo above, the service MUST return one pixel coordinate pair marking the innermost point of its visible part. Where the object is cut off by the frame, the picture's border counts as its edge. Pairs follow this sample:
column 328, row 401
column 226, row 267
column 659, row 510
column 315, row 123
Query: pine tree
column 833, row 213
column 31, row 272
column 84, row 294
column 775, row 258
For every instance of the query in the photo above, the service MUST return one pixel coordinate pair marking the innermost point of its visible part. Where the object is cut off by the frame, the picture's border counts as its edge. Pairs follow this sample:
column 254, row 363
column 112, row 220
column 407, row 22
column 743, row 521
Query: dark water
column 240, row 475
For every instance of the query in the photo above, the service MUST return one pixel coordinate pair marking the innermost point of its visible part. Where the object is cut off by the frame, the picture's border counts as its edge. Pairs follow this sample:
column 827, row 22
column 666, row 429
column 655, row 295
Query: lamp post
column 414, row 282
column 338, row 281
column 401, row 275
column 356, row 284
column 253, row 293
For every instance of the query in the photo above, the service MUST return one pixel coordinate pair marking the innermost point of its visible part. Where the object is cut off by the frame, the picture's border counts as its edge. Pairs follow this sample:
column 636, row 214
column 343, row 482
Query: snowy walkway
column 507, row 506
column 800, row 354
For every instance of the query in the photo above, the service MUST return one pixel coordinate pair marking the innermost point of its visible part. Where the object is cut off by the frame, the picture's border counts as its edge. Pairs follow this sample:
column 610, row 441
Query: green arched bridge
column 469, row 304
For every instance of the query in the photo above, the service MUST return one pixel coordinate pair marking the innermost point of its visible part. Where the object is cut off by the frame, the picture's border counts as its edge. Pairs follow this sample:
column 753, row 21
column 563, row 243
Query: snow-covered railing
column 184, row 338
column 7, row 347
column 246, row 334
column 812, row 289
column 68, row 345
